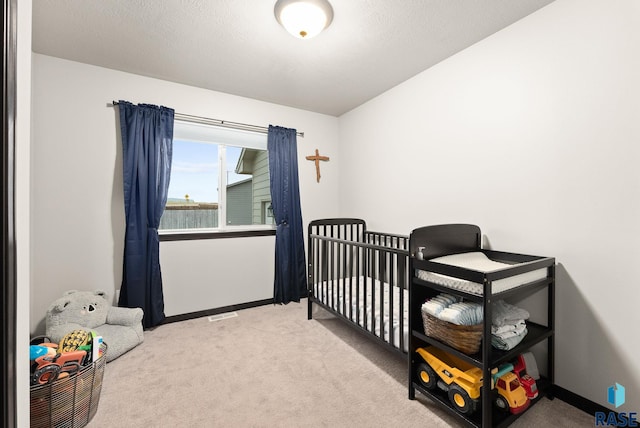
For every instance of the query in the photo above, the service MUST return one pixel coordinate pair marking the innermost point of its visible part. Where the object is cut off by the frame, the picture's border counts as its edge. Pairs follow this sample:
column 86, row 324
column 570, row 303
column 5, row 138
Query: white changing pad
column 479, row 262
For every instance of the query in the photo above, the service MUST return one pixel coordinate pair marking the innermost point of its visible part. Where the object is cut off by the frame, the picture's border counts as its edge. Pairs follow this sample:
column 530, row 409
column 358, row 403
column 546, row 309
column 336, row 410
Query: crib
column 362, row 277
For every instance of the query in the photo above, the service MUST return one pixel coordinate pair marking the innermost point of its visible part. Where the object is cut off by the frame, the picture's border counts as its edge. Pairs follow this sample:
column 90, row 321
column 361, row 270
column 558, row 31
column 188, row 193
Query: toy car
column 462, row 382
column 527, row 382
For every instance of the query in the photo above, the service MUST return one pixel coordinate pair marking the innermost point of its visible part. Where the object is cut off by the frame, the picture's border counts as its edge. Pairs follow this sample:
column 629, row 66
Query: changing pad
column 479, row 262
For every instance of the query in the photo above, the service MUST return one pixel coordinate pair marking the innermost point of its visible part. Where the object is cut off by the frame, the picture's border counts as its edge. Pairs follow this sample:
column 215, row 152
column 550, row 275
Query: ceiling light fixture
column 304, row 18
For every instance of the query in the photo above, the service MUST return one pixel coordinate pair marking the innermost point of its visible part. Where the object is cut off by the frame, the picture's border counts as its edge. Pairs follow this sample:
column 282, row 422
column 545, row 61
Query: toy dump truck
column 462, row 382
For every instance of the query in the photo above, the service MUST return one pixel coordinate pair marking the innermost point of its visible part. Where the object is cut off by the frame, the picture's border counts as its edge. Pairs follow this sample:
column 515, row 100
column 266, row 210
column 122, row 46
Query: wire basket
column 70, row 402
column 464, row 338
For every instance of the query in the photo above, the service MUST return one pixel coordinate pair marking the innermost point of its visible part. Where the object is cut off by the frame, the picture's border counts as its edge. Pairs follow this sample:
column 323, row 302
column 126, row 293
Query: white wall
column 77, row 203
column 205, row 278
column 533, row 134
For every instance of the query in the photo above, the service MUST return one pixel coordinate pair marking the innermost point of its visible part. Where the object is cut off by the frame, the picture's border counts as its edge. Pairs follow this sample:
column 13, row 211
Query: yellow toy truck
column 462, row 382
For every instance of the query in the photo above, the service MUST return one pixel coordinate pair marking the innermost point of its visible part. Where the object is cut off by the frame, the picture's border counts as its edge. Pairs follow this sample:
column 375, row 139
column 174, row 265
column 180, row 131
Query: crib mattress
column 478, row 261
column 330, row 293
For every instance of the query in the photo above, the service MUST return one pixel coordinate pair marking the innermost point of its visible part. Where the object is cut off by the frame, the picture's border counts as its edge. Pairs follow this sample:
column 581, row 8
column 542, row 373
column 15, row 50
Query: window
column 267, row 213
column 219, row 180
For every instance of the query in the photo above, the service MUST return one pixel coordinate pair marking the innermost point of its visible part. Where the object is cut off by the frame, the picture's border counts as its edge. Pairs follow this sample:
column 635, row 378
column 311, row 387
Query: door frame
column 9, row 287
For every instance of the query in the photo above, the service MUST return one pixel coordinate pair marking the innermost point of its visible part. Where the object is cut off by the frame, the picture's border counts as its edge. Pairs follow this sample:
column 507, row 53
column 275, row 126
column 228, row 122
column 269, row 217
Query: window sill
column 214, row 234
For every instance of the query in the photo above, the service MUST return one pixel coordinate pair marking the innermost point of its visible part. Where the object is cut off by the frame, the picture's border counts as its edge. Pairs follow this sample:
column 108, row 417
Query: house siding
column 261, row 186
column 239, row 197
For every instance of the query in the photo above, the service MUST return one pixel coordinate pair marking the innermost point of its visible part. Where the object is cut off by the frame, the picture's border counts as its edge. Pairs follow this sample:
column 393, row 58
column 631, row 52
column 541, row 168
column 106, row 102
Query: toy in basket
column 456, row 323
column 66, row 380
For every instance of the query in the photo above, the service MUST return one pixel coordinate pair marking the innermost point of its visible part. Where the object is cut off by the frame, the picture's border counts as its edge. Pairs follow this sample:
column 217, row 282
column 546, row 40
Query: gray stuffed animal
column 120, row 328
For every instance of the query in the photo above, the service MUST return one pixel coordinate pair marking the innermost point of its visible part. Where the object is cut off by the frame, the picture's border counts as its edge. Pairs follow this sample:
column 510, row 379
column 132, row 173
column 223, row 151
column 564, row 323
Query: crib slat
column 377, row 278
column 392, row 288
column 343, row 255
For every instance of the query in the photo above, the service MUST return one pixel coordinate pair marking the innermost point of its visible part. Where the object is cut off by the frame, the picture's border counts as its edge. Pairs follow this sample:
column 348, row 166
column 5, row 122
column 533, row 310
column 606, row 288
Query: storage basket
column 70, row 402
column 465, row 338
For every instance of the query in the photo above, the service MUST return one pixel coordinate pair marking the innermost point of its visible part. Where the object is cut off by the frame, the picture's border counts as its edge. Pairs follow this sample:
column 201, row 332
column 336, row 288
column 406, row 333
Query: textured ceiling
column 238, row 47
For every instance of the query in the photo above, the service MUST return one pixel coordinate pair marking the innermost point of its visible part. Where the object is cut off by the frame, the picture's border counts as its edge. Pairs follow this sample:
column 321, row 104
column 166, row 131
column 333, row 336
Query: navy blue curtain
column 147, row 141
column 290, row 268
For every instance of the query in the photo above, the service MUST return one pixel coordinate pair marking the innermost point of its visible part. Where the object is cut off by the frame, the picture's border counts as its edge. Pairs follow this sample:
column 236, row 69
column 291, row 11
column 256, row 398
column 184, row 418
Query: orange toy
column 50, row 368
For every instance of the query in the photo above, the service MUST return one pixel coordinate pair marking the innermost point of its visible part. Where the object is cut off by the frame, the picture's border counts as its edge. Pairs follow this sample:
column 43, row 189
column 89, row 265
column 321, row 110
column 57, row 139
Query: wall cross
column 317, row 158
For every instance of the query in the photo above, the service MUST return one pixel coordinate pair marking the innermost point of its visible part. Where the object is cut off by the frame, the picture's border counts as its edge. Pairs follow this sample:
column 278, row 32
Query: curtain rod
column 218, row 122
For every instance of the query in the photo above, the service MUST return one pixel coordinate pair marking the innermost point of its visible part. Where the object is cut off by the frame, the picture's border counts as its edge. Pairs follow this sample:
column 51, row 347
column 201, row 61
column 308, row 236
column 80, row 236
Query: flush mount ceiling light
column 304, row 18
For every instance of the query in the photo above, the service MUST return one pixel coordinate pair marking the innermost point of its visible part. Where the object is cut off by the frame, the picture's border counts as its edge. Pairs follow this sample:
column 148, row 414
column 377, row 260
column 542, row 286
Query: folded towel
column 504, row 313
column 518, row 326
column 509, row 342
column 508, row 334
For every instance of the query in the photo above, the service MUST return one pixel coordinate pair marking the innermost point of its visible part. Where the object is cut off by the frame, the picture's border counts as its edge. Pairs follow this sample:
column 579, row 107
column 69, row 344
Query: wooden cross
column 317, row 158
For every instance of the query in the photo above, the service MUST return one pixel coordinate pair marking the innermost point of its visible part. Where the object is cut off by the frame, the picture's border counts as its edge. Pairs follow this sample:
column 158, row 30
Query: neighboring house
column 256, row 162
column 239, row 197
column 248, row 201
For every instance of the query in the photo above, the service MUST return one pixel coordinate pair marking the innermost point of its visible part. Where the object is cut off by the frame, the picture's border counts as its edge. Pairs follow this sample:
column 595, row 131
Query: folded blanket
column 509, row 342
column 517, row 327
column 512, row 333
column 504, row 313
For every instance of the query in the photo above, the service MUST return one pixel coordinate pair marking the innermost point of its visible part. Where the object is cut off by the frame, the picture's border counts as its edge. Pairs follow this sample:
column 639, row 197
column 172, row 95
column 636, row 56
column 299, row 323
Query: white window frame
column 222, row 137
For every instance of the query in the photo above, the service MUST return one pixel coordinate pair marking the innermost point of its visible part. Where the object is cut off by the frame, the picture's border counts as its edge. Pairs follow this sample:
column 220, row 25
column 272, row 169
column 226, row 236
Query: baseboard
column 216, row 311
column 578, row 402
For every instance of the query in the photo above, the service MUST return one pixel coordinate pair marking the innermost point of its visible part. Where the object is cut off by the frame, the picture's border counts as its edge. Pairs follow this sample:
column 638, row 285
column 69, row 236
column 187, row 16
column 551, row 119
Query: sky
column 194, row 170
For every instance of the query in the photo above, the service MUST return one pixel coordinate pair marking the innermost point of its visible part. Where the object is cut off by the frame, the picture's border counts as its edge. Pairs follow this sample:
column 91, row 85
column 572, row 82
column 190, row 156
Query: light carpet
column 271, row 367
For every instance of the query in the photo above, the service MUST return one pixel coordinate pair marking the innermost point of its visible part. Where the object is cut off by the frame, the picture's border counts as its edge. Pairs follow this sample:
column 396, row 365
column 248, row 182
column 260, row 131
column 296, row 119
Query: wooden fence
column 189, row 218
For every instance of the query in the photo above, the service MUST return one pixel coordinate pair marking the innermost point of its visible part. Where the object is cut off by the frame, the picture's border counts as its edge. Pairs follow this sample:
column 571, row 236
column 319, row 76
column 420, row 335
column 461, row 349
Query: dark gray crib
column 360, row 276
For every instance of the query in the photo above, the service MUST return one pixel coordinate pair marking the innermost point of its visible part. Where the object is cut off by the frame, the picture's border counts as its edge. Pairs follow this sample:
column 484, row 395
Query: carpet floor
column 271, row 367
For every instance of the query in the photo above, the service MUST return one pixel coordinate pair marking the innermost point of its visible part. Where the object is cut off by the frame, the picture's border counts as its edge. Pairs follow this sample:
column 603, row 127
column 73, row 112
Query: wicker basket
column 465, row 338
column 70, row 402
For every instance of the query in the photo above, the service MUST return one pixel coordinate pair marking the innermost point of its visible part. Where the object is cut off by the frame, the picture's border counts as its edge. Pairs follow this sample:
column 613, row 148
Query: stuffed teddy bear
column 120, row 328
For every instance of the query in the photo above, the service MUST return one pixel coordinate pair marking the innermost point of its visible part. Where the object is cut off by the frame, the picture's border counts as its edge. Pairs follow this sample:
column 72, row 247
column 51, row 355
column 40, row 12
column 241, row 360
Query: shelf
column 440, row 397
column 471, row 359
column 498, row 418
column 536, row 333
column 454, row 239
column 524, row 289
column 528, row 288
column 447, row 290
